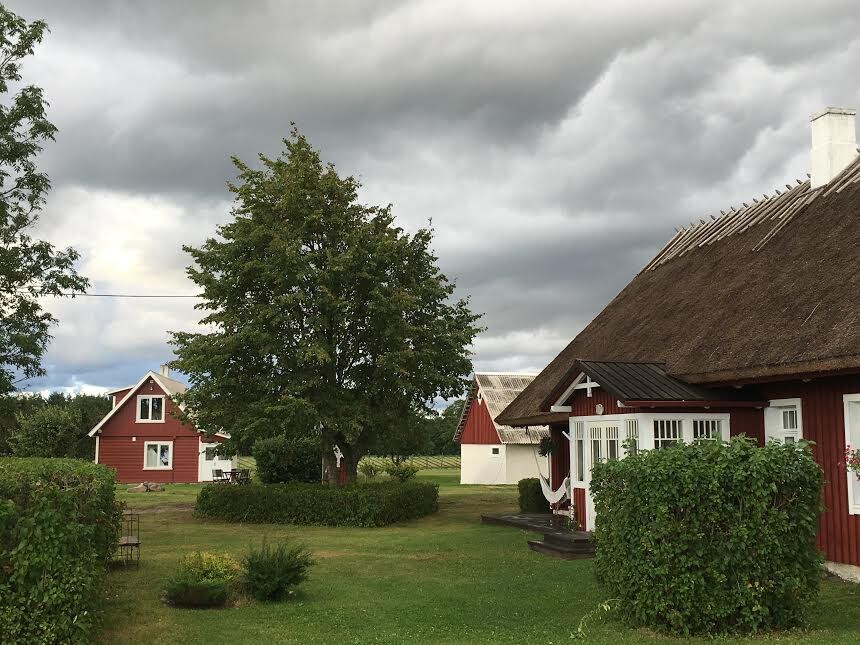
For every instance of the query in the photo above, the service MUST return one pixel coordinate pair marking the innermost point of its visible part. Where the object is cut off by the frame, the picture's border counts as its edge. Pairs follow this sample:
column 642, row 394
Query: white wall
column 521, row 463
column 478, row 464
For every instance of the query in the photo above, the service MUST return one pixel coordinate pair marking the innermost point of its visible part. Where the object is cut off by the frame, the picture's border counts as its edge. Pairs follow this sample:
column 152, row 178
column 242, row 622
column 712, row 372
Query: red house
column 745, row 323
column 142, row 440
column 491, row 453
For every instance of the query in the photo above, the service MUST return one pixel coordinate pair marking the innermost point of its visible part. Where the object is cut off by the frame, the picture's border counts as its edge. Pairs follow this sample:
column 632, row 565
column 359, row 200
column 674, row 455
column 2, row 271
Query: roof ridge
column 780, row 208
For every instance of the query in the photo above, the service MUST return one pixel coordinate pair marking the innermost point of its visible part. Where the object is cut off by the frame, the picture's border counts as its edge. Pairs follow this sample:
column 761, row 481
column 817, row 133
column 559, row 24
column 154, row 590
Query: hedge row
column 710, row 537
column 59, row 523
column 314, row 504
column 531, row 496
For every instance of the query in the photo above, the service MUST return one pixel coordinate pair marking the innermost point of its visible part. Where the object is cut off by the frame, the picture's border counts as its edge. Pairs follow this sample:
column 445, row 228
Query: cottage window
column 158, row 455
column 632, row 427
column 852, row 439
column 150, row 409
column 596, row 445
column 579, row 450
column 707, row 428
column 783, row 421
column 667, row 432
column 612, row 442
column 495, row 451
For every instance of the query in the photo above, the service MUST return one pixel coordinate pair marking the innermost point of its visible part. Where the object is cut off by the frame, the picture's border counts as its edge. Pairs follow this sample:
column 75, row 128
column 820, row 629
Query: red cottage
column 142, row 440
column 746, row 323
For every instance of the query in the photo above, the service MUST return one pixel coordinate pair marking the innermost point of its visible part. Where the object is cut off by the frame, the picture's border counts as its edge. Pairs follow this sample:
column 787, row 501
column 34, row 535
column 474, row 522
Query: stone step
column 581, row 540
column 558, row 551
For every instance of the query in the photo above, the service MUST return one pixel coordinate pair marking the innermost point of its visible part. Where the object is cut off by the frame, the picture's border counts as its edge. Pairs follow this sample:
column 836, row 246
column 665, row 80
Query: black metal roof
column 650, row 382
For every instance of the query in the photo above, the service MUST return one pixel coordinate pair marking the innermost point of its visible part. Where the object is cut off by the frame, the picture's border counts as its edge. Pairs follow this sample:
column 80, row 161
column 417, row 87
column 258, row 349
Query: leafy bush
column 211, row 566
column 710, row 537
column 271, row 573
column 59, row 524
column 368, row 469
column 185, row 590
column 287, row 459
column 400, row 470
column 50, row 431
column 531, row 496
column 314, row 504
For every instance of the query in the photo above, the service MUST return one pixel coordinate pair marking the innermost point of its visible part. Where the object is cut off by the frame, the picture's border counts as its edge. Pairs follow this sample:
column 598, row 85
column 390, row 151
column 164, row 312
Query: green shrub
column 185, row 590
column 203, row 579
column 710, row 537
column 368, row 469
column 287, row 459
column 271, row 573
column 314, row 504
column 401, row 471
column 531, row 496
column 59, row 524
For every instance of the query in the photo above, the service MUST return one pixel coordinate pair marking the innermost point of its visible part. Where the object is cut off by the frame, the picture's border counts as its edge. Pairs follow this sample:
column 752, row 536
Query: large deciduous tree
column 29, row 268
column 323, row 318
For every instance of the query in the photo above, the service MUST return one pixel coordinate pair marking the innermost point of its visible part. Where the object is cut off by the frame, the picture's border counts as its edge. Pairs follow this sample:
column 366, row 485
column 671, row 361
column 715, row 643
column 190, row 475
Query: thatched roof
column 767, row 291
column 497, row 391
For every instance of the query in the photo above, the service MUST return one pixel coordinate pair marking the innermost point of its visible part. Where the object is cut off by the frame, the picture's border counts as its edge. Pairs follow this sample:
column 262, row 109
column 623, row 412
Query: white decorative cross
column 338, row 454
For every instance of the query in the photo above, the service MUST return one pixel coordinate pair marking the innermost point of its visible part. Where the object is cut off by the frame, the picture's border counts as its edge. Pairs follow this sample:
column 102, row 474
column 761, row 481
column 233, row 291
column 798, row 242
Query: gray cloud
column 554, row 145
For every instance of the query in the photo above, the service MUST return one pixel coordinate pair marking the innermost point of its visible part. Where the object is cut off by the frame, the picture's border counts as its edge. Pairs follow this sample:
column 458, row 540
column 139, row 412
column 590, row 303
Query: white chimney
column 834, row 144
column 164, row 370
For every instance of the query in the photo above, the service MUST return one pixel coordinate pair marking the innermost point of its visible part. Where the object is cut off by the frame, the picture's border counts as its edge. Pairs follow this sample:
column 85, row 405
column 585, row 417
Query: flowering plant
column 852, row 459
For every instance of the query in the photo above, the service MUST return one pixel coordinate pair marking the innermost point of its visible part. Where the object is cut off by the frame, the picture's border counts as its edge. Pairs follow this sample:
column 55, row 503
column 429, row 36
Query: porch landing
column 557, row 541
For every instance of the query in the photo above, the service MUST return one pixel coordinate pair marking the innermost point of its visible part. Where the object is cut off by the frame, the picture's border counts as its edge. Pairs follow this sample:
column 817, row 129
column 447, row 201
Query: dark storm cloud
column 554, row 145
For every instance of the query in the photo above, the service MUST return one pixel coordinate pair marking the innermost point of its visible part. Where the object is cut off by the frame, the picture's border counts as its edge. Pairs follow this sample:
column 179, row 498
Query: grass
column 442, row 579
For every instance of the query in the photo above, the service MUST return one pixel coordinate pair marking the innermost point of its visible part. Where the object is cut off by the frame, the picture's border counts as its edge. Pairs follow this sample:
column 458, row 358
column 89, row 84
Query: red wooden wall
column 121, row 442
column 479, row 427
column 579, row 504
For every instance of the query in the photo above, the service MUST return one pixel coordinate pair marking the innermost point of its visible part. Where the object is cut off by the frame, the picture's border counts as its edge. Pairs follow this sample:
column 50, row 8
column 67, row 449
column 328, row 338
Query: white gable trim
column 130, row 394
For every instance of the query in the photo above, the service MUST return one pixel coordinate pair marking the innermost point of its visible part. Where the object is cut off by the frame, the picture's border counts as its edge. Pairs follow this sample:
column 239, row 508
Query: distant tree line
column 53, row 426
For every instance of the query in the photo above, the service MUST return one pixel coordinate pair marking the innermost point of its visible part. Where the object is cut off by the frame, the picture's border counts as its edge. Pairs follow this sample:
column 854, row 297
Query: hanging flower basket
column 852, row 460
column 546, row 446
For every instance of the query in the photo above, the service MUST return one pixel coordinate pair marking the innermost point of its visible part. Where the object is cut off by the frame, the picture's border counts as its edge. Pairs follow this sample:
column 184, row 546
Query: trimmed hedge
column 710, row 537
column 59, row 523
column 287, row 459
column 314, row 504
column 531, row 496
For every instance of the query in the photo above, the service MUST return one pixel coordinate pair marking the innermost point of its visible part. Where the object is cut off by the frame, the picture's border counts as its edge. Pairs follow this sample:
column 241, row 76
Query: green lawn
column 442, row 579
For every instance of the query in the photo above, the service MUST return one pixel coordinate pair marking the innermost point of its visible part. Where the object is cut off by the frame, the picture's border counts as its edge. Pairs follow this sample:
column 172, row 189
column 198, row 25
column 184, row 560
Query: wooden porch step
column 577, row 539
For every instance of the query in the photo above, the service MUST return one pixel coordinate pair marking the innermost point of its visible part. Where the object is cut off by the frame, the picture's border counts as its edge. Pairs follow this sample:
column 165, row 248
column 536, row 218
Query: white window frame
column 147, row 444
column 773, row 415
column 710, row 425
column 577, row 449
column 849, row 400
column 675, row 422
column 150, row 397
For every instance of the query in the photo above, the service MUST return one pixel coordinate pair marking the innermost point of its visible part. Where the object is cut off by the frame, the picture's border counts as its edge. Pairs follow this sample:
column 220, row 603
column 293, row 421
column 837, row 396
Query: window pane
column 210, row 454
column 151, row 456
column 157, row 405
column 144, row 407
column 580, row 460
column 789, row 439
column 164, row 455
column 789, row 419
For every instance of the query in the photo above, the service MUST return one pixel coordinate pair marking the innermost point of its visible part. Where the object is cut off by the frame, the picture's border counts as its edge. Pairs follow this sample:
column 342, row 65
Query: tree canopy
column 323, row 318
column 29, row 267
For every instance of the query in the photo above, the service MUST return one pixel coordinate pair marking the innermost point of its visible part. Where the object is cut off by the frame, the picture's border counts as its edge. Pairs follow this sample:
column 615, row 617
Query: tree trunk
column 349, row 464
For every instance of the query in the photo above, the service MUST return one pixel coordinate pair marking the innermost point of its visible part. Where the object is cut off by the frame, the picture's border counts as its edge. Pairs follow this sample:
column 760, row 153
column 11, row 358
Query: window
column 632, row 426
column 596, row 444
column 150, row 409
column 209, row 454
column 495, row 451
column 666, row 432
column 783, row 422
column 707, row 428
column 852, row 438
column 579, row 448
column 158, row 455
column 612, row 442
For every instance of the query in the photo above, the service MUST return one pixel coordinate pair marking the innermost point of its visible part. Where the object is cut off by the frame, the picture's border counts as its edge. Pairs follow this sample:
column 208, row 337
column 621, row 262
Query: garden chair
column 128, row 547
column 218, row 476
column 244, row 476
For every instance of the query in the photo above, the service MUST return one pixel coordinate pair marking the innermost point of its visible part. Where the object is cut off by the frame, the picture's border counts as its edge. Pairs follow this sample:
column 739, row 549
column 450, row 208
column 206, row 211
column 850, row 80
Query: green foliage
column 285, row 459
column 400, row 470
column 368, row 469
column 324, row 315
column 531, row 496
column 272, row 573
column 211, row 566
column 51, row 431
column 710, row 537
column 313, row 504
column 59, row 524
column 29, row 268
column 546, row 446
column 441, row 429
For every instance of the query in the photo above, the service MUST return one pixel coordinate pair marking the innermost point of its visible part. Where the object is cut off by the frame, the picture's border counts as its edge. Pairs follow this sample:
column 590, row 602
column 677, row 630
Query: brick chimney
column 834, row 144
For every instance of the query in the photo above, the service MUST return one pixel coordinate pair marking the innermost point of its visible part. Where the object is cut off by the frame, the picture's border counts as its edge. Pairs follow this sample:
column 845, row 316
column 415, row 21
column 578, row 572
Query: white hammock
column 554, row 496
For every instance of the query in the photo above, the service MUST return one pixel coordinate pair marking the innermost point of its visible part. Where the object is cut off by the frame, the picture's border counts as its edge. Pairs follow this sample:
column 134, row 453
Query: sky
column 554, row 145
